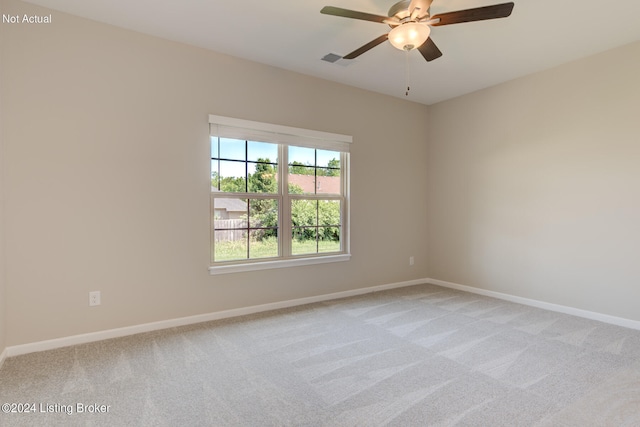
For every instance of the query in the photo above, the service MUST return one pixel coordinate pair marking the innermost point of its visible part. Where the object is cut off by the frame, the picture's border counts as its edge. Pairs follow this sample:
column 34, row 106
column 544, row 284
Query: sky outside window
column 235, row 149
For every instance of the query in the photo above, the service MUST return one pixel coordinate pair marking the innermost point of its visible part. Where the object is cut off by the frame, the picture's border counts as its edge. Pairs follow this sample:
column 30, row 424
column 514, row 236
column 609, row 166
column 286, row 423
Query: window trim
column 280, row 263
column 278, row 134
column 228, row 127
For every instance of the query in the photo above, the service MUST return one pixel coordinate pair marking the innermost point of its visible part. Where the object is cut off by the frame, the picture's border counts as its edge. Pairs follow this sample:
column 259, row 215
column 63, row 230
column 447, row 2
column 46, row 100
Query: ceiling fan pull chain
column 406, row 58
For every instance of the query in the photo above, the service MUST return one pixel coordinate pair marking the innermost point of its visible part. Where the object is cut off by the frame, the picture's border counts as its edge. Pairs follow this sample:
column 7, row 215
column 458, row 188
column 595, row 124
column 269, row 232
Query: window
column 279, row 196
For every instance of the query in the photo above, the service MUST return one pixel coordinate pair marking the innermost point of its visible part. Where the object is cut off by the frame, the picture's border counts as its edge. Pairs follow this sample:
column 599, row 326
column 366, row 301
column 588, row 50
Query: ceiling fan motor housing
column 401, row 9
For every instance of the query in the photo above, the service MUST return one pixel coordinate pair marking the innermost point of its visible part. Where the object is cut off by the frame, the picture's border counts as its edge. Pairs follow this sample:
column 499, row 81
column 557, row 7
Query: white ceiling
column 291, row 34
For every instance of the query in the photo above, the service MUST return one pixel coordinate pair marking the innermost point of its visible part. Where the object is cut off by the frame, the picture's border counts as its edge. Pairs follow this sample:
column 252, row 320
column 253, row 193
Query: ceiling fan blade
column 429, row 50
column 346, row 13
column 366, row 47
column 477, row 14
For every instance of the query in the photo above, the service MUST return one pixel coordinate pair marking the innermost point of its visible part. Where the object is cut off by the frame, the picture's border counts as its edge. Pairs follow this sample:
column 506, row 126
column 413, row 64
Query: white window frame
column 284, row 136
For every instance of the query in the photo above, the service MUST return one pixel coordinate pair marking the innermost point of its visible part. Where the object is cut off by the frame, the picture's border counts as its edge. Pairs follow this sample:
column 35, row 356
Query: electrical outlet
column 410, row 260
column 94, row 298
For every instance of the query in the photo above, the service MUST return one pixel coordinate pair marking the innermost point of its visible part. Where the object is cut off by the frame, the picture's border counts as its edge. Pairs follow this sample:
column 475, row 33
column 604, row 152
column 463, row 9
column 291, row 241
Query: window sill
column 267, row 265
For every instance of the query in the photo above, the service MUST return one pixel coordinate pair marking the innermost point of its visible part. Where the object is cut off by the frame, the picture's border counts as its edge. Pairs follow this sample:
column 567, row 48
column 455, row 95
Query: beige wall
column 534, row 186
column 107, row 177
column 531, row 186
column 2, row 168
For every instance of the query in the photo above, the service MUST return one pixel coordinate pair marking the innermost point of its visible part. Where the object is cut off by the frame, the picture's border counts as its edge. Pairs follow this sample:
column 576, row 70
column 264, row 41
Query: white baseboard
column 182, row 321
column 619, row 321
column 3, row 356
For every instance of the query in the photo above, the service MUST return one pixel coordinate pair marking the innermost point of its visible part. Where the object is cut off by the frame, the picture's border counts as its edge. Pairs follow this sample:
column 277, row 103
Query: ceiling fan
column 411, row 22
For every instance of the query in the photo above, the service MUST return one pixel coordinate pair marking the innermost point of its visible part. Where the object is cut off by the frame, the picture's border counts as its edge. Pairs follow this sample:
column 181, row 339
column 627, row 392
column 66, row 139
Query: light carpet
column 417, row 356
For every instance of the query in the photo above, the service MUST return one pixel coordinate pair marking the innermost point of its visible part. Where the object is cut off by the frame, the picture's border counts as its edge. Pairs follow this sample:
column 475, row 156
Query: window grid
column 248, row 229
column 246, row 163
column 285, row 229
column 320, row 230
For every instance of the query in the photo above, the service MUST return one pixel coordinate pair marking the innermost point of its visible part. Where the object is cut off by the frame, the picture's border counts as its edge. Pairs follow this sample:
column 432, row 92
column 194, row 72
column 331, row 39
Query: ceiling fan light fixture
column 409, row 36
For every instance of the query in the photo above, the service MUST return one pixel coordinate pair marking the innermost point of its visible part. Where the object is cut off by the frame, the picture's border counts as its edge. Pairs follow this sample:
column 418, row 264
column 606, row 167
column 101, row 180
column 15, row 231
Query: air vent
column 331, row 57
column 337, row 59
